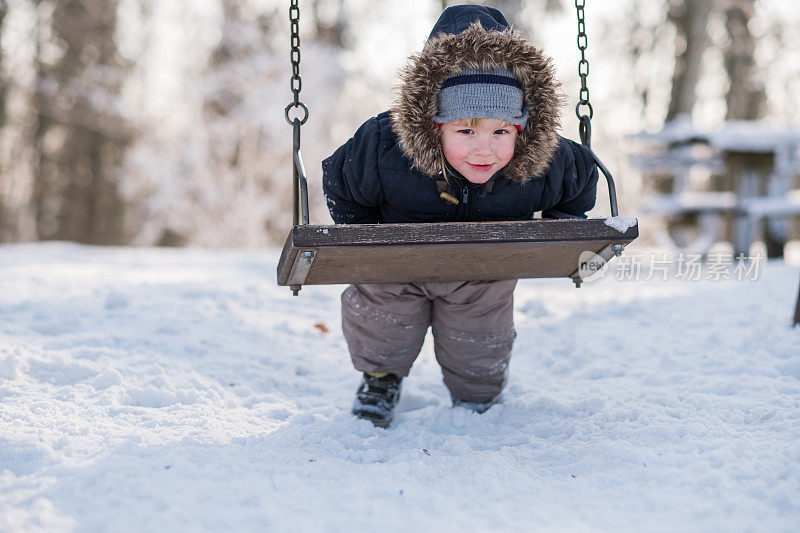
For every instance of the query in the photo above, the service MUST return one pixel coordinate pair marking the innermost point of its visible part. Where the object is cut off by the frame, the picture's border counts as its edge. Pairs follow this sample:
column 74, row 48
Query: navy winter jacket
column 370, row 180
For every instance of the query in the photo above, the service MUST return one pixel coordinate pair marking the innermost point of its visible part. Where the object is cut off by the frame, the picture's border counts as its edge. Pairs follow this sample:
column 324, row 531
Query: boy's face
column 480, row 150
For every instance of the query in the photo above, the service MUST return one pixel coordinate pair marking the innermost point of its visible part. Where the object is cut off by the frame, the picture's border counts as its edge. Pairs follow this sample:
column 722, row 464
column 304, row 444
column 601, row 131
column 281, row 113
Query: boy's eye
column 465, row 130
column 502, row 132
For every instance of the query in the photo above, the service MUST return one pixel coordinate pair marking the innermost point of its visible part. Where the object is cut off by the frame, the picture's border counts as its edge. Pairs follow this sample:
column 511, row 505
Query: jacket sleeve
column 574, row 168
column 350, row 178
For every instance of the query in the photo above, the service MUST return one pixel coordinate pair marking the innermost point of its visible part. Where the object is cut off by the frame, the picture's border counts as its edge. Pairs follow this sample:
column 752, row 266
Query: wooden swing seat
column 445, row 251
column 442, row 251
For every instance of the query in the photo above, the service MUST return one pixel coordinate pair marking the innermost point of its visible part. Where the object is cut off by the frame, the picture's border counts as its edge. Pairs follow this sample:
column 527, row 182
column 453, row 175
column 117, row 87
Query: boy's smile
column 478, row 149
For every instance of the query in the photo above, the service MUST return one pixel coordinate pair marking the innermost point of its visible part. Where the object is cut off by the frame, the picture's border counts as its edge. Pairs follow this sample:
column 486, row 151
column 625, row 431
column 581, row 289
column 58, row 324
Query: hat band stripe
column 466, row 79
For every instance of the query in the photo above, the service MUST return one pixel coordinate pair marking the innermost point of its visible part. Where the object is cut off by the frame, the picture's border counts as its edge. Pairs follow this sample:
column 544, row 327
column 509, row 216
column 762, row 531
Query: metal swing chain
column 300, row 184
column 585, row 120
column 585, row 126
column 296, row 83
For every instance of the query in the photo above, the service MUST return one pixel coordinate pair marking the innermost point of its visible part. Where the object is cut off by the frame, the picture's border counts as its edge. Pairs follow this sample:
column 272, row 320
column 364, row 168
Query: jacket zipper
column 462, row 210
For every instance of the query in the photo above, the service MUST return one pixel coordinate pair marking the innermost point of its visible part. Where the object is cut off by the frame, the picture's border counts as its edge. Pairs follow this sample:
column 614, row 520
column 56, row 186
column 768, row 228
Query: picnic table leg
column 797, row 309
column 744, row 230
column 745, row 227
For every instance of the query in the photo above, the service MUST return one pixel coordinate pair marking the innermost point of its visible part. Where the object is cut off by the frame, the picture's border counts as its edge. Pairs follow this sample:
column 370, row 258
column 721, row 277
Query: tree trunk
column 3, row 13
column 79, row 136
column 329, row 22
column 5, row 222
column 690, row 19
column 747, row 95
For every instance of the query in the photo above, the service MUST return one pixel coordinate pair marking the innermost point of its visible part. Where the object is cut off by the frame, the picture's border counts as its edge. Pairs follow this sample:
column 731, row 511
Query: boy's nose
column 483, row 145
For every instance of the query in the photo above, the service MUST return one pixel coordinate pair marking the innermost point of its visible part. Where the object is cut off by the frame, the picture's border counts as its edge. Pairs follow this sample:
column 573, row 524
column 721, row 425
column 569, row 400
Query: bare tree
column 79, row 137
column 3, row 13
column 746, row 97
column 690, row 19
column 7, row 223
column 329, row 22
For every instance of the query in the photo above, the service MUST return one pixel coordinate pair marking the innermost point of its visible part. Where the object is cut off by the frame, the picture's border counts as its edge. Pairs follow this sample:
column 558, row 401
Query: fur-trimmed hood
column 477, row 37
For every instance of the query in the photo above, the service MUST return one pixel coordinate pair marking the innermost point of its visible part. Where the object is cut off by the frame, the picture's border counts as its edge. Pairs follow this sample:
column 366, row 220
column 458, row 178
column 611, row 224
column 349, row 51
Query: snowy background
column 182, row 390
column 200, row 88
column 147, row 389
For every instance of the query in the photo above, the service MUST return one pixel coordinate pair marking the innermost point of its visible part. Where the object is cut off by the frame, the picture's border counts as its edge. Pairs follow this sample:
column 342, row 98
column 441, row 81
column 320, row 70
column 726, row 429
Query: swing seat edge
column 395, row 253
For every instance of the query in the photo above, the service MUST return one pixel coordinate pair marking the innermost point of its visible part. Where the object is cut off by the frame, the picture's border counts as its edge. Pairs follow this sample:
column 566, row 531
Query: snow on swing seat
column 447, row 251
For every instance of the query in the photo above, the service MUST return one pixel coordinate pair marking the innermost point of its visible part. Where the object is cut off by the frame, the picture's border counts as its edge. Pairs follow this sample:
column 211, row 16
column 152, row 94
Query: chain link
column 296, row 83
column 583, row 64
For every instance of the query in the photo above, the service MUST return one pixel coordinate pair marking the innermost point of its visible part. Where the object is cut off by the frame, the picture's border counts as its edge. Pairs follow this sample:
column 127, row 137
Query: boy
column 472, row 137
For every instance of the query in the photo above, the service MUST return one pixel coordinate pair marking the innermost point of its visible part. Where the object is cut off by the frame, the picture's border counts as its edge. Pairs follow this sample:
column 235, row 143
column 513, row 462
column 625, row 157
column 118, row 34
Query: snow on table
column 181, row 390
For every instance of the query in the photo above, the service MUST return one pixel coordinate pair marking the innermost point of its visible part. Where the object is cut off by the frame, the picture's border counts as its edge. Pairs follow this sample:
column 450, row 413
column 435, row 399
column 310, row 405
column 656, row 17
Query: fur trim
column 421, row 80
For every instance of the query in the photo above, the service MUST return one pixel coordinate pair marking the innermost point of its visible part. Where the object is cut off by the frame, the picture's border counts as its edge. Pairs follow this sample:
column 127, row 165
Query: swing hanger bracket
column 299, row 105
column 300, row 183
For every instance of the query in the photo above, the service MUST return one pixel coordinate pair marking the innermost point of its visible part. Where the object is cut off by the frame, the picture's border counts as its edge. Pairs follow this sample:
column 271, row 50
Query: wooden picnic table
column 751, row 170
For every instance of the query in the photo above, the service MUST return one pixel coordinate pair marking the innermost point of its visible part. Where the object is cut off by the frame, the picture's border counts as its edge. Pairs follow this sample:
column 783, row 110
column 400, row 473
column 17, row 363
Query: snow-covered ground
column 182, row 390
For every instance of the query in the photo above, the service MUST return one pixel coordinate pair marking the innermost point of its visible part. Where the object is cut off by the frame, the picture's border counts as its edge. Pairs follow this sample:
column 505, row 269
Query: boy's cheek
column 507, row 155
column 453, row 152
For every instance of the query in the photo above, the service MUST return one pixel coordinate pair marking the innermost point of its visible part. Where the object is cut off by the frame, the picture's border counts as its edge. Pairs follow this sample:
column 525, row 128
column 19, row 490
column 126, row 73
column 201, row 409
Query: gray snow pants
column 473, row 330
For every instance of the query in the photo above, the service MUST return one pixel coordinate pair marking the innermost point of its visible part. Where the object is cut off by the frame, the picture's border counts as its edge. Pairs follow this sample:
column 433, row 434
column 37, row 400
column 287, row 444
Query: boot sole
column 377, row 422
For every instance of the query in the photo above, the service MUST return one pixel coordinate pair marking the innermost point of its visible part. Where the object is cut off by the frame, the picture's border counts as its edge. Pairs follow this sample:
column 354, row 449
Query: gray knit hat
column 475, row 93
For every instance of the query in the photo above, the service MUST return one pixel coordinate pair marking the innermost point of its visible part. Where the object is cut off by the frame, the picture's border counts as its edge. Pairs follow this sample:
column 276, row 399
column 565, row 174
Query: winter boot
column 377, row 397
column 477, row 407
